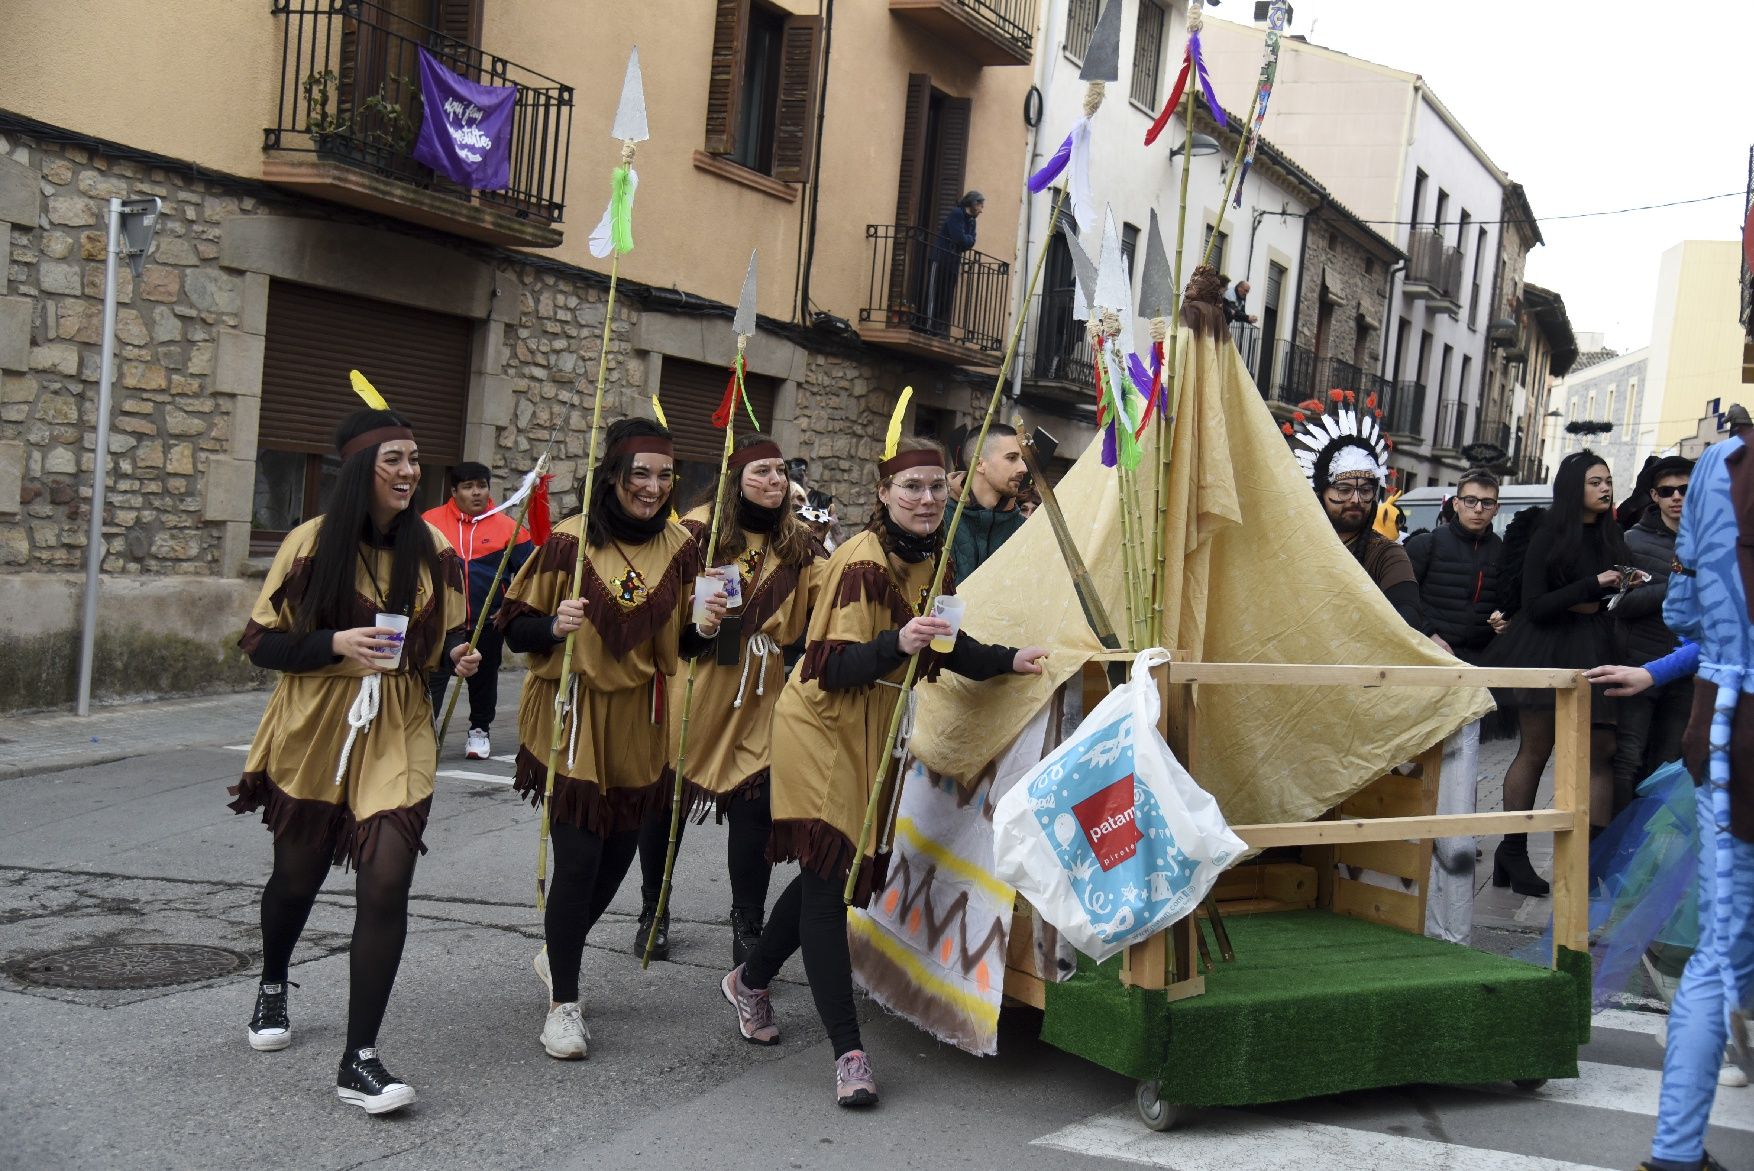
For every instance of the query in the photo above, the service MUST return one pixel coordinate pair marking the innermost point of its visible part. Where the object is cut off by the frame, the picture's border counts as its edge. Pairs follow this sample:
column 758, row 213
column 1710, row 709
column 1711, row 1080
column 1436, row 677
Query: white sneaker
column 542, row 973
column 564, row 1035
column 476, row 747
column 1731, row 1075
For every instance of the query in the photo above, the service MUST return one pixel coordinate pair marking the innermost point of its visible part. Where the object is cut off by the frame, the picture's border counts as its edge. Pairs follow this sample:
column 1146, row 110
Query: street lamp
column 1204, row 144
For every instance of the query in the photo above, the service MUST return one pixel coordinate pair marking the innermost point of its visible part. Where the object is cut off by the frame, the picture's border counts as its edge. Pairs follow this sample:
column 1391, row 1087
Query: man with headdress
column 1344, row 454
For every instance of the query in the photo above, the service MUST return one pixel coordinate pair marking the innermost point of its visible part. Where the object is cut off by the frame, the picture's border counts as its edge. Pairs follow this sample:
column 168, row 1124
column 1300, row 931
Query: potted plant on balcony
column 375, row 121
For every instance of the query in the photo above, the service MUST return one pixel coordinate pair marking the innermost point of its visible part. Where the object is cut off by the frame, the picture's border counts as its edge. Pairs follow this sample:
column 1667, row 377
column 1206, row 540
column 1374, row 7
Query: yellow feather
column 658, row 410
column 892, row 441
column 365, row 390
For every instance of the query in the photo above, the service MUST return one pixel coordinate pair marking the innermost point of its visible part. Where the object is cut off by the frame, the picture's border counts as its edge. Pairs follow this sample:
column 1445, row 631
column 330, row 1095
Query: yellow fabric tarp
column 1263, row 579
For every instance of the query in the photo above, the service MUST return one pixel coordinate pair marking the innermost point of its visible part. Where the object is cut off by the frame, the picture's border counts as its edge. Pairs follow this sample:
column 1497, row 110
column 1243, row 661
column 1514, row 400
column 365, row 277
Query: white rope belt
column 761, row 648
column 566, row 702
column 906, row 732
column 359, row 717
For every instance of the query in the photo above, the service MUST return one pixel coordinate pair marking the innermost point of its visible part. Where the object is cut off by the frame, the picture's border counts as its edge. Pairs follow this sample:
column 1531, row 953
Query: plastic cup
column 705, row 586
column 950, row 610
column 732, row 579
column 399, row 624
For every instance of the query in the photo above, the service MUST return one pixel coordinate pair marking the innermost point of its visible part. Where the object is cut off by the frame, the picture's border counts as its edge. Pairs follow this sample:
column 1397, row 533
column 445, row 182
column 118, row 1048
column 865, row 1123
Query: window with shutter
column 950, row 156
column 419, row 360
column 691, row 392
column 762, row 87
column 725, row 75
column 795, row 117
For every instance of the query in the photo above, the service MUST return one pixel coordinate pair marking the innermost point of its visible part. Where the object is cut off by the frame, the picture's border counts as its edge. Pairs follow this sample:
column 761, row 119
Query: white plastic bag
column 1109, row 837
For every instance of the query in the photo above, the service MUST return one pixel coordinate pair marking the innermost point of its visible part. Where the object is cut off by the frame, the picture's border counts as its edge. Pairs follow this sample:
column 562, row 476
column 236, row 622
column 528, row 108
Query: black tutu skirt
column 1576, row 642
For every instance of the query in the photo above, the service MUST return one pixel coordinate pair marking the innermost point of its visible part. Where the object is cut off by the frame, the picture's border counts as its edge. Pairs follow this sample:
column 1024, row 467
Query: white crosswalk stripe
column 1632, row 1091
column 461, row 774
column 1222, row 1140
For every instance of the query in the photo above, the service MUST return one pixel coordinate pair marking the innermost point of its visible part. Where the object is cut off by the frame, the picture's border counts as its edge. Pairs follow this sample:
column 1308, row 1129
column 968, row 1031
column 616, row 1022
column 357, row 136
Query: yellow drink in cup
column 950, row 610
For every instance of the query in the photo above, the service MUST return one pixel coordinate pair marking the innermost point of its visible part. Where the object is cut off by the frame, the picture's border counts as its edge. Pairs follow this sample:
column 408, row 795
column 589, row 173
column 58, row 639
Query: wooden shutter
column 458, row 19
column 952, row 169
column 692, row 391
column 795, row 130
column 725, row 75
column 417, row 359
column 913, row 149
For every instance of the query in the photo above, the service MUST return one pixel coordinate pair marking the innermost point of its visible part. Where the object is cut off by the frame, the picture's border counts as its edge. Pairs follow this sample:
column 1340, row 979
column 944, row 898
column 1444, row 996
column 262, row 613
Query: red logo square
column 1109, row 824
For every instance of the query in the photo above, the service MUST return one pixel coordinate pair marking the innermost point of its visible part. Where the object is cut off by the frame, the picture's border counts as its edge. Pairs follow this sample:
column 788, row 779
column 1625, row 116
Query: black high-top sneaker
column 745, row 934
column 660, row 946
column 364, row 1082
column 270, row 1027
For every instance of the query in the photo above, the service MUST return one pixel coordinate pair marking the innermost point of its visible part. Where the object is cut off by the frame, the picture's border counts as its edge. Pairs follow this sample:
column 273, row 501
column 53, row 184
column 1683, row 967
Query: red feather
column 728, row 404
column 1175, row 97
column 540, row 520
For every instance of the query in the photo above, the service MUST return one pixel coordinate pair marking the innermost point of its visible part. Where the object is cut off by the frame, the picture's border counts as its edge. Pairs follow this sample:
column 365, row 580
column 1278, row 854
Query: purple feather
column 1141, row 375
column 1039, row 181
column 1206, row 81
column 1110, row 457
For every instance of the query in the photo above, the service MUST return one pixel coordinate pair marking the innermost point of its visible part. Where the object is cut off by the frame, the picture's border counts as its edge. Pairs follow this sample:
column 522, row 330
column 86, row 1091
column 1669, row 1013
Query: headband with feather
column 364, row 389
column 894, row 459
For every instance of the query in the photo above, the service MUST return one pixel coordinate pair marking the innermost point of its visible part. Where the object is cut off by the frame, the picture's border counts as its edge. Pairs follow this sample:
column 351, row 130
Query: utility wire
column 1581, row 215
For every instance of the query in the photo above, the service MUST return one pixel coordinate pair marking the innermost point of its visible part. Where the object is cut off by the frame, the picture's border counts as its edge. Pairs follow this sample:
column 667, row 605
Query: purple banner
column 466, row 132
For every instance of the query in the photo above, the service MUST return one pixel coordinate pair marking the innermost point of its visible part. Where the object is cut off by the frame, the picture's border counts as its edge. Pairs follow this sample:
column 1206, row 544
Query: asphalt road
column 143, row 850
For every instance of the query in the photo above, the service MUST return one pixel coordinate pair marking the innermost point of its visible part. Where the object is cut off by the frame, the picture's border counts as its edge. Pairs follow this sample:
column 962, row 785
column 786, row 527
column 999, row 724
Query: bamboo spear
column 613, row 237
column 745, row 327
column 913, row 663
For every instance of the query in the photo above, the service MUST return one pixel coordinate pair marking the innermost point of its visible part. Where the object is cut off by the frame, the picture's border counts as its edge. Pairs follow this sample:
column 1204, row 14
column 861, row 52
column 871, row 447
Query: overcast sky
column 1591, row 105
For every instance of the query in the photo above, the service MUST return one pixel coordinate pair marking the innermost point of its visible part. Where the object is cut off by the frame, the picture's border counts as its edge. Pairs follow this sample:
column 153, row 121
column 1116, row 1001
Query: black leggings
column 751, row 821
column 380, row 922
column 811, row 914
column 588, row 869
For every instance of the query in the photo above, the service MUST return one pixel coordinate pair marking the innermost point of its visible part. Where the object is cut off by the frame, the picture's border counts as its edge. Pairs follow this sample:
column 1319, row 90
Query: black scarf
column 757, row 518
column 615, row 521
column 909, row 546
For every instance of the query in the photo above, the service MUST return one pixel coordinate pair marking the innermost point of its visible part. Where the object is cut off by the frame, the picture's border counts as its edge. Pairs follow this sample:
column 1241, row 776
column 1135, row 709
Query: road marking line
column 1222, row 1140
column 1652, row 1024
column 508, row 758
column 465, row 775
column 1628, row 1091
column 237, row 747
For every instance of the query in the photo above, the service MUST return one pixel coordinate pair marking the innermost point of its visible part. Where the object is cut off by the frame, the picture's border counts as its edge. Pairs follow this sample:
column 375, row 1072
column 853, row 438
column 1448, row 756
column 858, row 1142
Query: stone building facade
column 1344, row 288
column 178, row 571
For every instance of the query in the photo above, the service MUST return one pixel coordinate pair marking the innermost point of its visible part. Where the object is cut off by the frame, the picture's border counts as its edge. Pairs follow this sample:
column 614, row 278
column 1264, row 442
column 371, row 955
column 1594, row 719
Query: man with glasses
column 1650, row 724
column 1457, row 568
column 1350, row 501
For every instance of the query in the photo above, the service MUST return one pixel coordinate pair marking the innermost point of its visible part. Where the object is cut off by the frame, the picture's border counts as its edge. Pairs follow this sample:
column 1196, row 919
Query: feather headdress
column 1335, row 438
column 896, row 460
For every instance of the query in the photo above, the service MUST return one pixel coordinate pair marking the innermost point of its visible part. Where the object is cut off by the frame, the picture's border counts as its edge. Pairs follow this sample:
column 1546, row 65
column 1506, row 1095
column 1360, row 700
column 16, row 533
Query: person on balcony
column 956, row 235
column 997, row 476
column 1236, row 305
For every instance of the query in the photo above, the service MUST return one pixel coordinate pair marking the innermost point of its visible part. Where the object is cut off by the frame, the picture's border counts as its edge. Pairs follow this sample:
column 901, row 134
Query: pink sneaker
column 853, row 1083
column 754, row 1009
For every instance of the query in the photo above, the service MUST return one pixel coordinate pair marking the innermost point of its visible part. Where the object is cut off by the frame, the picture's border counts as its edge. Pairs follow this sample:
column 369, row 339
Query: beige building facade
column 298, row 239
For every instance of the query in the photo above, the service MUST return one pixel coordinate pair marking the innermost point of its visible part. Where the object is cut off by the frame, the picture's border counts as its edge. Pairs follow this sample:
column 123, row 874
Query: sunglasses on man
column 1664, row 491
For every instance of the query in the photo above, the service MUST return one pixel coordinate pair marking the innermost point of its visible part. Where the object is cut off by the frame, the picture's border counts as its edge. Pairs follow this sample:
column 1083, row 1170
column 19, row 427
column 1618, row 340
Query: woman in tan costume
column 779, row 566
column 828, row 737
column 632, row 632
column 341, row 766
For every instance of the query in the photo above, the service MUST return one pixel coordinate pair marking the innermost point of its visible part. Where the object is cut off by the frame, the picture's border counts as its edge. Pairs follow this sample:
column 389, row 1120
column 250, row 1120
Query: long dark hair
column 792, row 543
column 1564, row 525
column 330, row 599
column 611, row 472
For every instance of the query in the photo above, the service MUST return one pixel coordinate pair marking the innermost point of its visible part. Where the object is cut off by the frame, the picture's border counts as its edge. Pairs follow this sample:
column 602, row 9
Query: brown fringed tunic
column 827, row 744
column 729, row 745
column 613, row 750
column 290, row 772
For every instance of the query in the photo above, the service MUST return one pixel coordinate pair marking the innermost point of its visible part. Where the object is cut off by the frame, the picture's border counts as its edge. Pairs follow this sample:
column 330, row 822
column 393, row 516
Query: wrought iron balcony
column 1058, row 364
column 350, row 107
column 1406, row 413
column 992, row 32
column 1454, row 422
column 926, row 299
column 1287, row 374
column 1434, row 271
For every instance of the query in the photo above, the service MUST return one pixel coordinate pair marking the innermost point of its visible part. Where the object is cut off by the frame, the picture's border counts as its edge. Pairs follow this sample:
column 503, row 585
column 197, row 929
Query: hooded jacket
column 980, row 532
column 1641, row 611
column 479, row 541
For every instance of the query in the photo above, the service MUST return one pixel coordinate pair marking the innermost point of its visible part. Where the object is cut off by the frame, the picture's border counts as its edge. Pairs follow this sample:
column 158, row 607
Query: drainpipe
column 1302, row 275
column 1033, row 158
column 1388, row 315
column 824, row 9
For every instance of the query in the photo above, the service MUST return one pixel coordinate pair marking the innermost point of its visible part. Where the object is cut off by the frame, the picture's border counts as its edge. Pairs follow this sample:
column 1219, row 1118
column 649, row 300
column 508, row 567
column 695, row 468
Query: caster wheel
column 1154, row 1112
column 1529, row 1085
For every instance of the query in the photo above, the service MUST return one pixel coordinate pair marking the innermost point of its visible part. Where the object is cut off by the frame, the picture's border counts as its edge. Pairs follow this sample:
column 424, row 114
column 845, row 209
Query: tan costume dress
column 613, row 750
column 290, row 774
column 730, row 726
column 827, row 744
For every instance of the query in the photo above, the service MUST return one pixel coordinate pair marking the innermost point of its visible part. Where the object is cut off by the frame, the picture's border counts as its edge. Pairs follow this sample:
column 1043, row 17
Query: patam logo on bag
column 1107, row 817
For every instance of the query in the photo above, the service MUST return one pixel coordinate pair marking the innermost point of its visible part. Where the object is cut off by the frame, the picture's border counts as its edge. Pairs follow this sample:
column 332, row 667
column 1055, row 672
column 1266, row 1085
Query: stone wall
column 184, row 433
column 1355, row 277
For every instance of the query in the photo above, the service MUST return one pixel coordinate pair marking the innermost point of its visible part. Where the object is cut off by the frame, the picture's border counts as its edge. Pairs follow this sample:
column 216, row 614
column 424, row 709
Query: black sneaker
column 270, row 1029
column 364, row 1082
column 745, row 934
column 661, row 946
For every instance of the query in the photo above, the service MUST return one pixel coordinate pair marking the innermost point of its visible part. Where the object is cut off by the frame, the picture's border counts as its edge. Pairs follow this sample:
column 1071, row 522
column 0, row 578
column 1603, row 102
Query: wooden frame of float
column 1372, row 829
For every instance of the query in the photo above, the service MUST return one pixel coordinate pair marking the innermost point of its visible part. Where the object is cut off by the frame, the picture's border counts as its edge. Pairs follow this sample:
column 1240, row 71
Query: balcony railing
column 1454, row 423
column 1406, row 414
column 1287, row 374
column 350, row 97
column 993, row 32
column 1059, row 350
column 927, row 298
column 1434, row 270
column 1248, row 342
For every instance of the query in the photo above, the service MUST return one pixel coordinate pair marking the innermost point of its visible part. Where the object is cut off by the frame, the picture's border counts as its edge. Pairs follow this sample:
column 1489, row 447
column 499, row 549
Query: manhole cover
column 127, row 965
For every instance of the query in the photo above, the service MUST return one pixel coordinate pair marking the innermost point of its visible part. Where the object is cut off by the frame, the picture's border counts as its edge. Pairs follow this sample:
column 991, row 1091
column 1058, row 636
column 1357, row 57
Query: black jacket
column 1640, row 612
column 1458, row 584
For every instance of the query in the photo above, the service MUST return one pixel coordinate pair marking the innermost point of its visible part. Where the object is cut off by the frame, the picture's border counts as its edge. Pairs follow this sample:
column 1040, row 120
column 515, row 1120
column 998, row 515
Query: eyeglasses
column 1667, row 490
column 920, row 489
column 1366, row 491
column 1477, row 503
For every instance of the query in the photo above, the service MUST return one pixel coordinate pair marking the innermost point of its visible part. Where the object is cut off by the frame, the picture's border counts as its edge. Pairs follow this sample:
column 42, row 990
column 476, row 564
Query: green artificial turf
column 1317, row 1003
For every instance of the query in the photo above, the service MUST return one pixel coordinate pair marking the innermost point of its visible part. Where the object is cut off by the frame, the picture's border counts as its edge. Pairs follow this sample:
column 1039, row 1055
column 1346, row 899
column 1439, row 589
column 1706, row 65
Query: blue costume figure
column 1708, row 602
